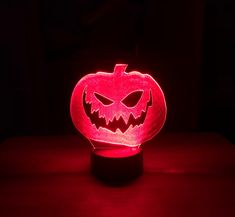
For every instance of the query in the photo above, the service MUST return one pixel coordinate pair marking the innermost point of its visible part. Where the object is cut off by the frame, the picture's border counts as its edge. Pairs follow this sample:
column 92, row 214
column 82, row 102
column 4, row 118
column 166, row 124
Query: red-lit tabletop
column 184, row 175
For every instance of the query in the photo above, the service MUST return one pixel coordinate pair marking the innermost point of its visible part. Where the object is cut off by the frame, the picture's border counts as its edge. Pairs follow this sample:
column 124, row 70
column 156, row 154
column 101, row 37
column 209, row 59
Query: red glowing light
column 118, row 108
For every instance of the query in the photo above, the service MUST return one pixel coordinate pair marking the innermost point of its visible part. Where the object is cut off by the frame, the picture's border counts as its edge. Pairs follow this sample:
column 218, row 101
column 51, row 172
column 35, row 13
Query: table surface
column 189, row 175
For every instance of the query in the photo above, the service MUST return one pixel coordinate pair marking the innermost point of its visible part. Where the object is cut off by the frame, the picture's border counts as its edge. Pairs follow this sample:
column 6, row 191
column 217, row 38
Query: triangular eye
column 104, row 100
column 132, row 99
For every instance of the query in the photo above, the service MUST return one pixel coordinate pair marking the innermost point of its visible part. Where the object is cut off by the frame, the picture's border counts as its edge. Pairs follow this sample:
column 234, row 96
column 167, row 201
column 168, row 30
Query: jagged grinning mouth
column 114, row 124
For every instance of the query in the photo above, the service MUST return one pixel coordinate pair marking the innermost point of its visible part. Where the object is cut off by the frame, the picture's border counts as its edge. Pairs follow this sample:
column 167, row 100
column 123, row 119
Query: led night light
column 118, row 108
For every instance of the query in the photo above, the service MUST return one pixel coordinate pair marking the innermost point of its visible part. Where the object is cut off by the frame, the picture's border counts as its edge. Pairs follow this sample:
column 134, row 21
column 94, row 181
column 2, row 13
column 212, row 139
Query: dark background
column 48, row 45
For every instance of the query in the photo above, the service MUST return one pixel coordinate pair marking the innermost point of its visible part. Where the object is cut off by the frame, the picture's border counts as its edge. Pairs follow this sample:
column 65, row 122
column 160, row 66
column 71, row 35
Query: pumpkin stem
column 119, row 69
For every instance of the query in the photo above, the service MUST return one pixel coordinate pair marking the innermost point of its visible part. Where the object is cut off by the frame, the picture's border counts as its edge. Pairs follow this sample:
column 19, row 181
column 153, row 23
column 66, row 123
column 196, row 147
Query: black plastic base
column 117, row 168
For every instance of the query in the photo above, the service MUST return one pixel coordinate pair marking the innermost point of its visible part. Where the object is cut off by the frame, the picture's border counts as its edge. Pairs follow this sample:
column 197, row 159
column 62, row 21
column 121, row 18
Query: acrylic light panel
column 118, row 108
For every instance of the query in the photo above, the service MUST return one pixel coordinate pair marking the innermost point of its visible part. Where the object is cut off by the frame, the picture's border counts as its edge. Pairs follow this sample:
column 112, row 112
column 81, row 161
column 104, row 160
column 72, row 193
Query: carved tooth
column 93, row 109
column 131, row 117
column 126, row 118
column 121, row 120
column 114, row 119
column 131, row 127
column 118, row 131
column 118, row 116
column 106, row 120
column 134, row 116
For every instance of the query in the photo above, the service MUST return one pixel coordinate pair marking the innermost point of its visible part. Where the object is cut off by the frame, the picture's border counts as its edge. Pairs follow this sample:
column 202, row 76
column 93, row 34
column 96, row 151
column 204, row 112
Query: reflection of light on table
column 185, row 175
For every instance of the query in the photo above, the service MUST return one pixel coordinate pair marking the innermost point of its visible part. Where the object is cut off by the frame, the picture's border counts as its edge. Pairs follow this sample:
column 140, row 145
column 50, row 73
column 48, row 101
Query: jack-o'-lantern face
column 118, row 108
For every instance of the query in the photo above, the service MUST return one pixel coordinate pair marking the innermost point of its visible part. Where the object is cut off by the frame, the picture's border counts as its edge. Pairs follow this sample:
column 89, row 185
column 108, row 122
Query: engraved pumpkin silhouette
column 118, row 108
